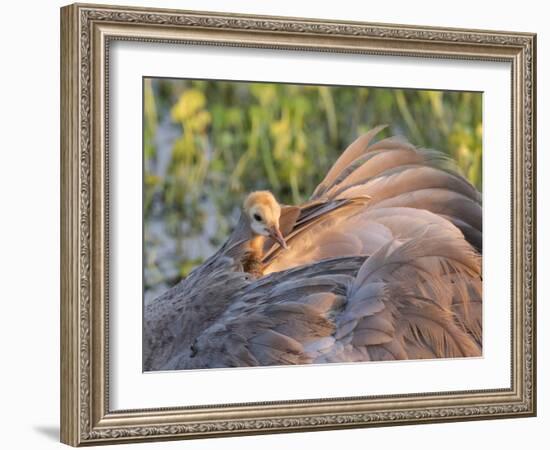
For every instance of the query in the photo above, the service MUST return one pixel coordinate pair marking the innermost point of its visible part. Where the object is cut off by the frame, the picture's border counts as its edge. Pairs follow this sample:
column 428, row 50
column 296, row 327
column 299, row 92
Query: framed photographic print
column 275, row 224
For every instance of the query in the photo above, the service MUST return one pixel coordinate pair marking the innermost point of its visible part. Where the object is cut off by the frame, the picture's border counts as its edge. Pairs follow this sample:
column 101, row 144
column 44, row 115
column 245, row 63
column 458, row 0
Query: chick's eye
column 257, row 217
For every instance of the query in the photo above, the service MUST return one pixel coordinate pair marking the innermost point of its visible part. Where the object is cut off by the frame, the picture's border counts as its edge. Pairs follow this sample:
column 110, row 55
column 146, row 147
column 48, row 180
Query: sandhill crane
column 383, row 262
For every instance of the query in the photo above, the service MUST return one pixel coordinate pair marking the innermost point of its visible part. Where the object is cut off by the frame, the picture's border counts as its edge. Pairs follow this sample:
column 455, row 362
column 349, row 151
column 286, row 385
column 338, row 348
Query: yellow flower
column 188, row 104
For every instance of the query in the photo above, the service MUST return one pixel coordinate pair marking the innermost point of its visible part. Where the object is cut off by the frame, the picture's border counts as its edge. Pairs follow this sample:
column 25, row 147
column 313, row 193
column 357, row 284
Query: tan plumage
column 383, row 262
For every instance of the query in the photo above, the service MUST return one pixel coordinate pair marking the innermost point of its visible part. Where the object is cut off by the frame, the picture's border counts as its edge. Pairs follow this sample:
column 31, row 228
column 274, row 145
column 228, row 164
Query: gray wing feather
column 380, row 266
column 392, row 305
column 354, row 151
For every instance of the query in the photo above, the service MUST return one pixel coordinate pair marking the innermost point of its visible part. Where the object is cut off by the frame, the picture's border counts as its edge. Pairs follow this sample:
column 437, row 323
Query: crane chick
column 263, row 213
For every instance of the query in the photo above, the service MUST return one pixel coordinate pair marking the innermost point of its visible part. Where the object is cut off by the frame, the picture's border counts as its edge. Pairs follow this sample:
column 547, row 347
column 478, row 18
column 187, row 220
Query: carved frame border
column 86, row 31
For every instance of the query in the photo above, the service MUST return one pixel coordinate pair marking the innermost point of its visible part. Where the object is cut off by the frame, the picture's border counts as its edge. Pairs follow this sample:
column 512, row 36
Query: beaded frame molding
column 86, row 34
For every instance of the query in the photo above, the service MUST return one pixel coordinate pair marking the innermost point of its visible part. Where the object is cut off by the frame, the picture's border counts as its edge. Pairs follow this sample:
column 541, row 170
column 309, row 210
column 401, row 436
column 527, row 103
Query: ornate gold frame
column 86, row 31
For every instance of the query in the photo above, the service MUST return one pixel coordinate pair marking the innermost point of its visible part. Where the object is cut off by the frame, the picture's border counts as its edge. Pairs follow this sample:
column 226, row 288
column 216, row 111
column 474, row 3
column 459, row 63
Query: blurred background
column 208, row 143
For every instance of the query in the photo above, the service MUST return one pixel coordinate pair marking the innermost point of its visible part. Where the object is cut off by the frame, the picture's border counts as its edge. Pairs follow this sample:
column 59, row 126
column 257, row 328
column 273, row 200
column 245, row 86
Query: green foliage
column 208, row 143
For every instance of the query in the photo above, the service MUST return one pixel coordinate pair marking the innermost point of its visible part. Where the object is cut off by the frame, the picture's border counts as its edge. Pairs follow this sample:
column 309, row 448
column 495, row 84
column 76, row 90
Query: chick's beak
column 276, row 235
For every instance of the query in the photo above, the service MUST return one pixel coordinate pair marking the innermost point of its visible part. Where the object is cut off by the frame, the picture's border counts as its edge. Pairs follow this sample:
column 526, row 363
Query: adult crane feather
column 383, row 262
